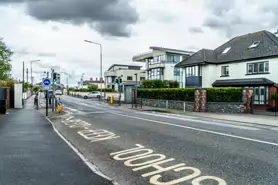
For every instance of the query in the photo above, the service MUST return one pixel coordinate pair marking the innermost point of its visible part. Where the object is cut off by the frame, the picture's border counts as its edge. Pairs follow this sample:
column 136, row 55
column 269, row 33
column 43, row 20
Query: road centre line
column 201, row 130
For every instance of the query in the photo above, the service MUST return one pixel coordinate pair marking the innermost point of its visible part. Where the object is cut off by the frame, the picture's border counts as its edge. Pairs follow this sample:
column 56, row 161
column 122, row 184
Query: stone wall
column 171, row 104
column 226, row 107
column 216, row 107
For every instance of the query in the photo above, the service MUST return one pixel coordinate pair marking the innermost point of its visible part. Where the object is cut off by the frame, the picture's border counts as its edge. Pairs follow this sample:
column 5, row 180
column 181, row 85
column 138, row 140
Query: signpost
column 47, row 84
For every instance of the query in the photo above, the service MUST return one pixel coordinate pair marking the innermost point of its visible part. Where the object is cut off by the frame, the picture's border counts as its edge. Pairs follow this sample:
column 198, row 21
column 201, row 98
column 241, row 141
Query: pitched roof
column 239, row 49
column 202, row 56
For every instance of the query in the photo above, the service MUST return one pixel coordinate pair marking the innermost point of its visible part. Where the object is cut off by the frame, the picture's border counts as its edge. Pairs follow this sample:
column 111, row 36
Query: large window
column 258, row 68
column 129, row 78
column 178, row 76
column 225, row 71
column 173, row 59
column 261, row 95
column 193, row 71
column 156, row 74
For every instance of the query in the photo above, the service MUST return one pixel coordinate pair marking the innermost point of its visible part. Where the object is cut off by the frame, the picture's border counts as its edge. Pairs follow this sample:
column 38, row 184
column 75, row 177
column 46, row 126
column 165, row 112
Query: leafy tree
column 92, row 87
column 36, row 89
column 5, row 59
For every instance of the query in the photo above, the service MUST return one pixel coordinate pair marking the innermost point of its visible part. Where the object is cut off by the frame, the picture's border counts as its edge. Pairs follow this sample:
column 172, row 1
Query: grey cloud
column 196, row 30
column 108, row 17
column 55, row 28
column 234, row 17
column 46, row 54
column 25, row 51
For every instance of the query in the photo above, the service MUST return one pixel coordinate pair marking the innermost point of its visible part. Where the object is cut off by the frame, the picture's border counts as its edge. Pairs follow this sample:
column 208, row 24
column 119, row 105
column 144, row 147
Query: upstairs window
column 226, row 50
column 258, row 68
column 255, row 44
column 225, row 71
column 129, row 78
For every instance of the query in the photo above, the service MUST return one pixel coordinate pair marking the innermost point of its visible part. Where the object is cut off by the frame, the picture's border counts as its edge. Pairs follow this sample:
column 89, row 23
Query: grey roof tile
column 239, row 50
column 242, row 82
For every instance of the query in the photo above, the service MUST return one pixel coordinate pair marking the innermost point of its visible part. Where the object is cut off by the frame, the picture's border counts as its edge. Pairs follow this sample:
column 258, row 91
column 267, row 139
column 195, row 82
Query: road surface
column 139, row 148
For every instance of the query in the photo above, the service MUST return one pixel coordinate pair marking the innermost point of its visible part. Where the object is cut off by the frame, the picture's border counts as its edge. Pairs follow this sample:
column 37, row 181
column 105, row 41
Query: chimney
column 96, row 79
column 101, row 80
column 91, row 79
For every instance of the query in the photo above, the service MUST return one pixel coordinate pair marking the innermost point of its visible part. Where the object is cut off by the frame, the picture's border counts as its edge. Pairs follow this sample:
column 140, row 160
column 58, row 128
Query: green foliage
column 275, row 97
column 92, row 87
column 107, row 90
column 5, row 59
column 179, row 94
column 36, row 89
column 8, row 83
column 160, row 84
column 224, row 94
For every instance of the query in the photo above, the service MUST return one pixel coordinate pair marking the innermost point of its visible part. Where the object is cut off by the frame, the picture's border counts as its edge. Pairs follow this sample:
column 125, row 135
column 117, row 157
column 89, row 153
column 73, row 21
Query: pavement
column 264, row 120
column 32, row 153
column 144, row 147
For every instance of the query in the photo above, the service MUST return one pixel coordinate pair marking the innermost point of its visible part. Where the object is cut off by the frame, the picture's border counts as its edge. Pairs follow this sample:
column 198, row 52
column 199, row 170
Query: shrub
column 224, row 94
column 92, row 87
column 275, row 97
column 179, row 94
column 160, row 84
column 107, row 90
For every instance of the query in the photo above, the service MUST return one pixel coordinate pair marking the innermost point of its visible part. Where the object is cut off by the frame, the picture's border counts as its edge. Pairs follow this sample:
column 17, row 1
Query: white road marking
column 158, row 169
column 193, row 119
column 82, row 157
column 201, row 130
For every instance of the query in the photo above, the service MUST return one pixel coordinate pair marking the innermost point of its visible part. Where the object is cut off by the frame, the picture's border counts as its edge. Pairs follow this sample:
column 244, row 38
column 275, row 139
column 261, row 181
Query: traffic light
column 121, row 81
column 117, row 81
column 58, row 78
column 54, row 77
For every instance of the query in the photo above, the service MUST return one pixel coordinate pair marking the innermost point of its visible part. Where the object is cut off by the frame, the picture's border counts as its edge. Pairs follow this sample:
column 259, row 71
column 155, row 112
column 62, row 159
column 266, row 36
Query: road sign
column 46, row 82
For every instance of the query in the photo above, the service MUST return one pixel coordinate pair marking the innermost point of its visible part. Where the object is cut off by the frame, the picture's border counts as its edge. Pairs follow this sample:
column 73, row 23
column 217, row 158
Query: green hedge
column 179, row 94
column 224, row 94
column 187, row 94
column 160, row 84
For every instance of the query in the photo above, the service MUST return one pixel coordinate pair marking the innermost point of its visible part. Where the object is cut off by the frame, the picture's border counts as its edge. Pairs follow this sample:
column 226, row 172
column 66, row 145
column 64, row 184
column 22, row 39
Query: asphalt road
column 167, row 149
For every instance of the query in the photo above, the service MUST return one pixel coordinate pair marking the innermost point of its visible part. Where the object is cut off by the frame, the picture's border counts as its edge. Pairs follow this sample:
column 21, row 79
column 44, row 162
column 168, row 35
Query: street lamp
column 32, row 69
column 101, row 78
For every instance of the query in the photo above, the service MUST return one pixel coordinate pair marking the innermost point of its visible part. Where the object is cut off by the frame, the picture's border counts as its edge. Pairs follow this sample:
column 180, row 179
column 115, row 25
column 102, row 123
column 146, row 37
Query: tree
column 92, row 87
column 5, row 59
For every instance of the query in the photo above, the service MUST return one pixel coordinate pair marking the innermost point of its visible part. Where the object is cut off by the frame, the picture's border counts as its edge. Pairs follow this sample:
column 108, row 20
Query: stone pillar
column 203, row 101
column 197, row 100
column 247, row 97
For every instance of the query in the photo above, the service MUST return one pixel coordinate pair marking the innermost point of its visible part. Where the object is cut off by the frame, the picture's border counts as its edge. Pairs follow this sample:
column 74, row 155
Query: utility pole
column 23, row 72
column 27, row 76
column 136, row 86
column 53, row 90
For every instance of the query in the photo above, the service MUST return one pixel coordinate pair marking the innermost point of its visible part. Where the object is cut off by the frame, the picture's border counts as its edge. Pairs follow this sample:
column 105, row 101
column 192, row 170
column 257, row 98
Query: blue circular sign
column 46, row 82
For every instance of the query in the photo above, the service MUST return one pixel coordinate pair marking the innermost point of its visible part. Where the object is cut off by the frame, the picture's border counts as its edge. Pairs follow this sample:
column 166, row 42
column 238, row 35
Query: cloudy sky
column 53, row 30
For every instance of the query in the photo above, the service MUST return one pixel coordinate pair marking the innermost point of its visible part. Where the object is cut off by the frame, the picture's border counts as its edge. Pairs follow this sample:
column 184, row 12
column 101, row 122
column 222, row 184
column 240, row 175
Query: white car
column 58, row 92
column 92, row 95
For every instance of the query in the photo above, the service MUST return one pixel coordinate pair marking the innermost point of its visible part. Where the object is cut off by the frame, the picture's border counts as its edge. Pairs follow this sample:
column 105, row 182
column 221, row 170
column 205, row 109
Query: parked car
column 92, row 95
column 58, row 92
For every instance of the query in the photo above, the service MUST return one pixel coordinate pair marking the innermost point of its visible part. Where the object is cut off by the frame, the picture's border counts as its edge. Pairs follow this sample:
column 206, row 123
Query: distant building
column 160, row 63
column 127, row 74
column 99, row 82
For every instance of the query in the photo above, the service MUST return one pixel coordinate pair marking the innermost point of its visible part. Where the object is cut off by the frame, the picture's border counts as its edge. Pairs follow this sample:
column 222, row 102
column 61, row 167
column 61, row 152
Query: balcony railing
column 193, row 81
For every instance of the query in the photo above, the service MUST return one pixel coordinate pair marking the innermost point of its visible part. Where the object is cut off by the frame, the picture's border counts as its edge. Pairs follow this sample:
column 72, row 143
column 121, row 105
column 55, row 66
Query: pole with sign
column 46, row 84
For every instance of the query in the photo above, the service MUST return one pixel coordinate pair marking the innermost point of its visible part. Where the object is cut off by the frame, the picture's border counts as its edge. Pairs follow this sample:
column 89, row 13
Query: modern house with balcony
column 160, row 62
column 249, row 61
column 128, row 74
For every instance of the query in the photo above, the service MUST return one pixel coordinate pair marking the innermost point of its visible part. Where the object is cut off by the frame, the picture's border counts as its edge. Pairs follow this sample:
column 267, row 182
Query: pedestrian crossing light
column 54, row 77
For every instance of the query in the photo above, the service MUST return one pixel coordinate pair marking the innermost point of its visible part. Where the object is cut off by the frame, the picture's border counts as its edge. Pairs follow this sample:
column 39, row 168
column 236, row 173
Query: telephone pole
column 23, row 72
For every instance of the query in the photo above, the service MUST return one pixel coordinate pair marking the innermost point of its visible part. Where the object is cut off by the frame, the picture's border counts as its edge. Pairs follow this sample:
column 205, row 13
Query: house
column 128, row 74
column 98, row 82
column 160, row 62
column 245, row 61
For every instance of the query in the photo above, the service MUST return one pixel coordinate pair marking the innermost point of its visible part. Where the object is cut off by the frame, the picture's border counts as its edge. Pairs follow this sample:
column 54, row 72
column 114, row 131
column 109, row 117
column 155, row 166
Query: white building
column 245, row 61
column 160, row 62
column 127, row 73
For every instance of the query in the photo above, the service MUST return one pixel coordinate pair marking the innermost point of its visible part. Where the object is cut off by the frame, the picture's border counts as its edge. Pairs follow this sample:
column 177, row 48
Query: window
column 226, row 50
column 193, row 71
column 129, row 78
column 142, row 78
column 255, row 44
column 258, row 68
column 156, row 74
column 261, row 95
column 225, row 71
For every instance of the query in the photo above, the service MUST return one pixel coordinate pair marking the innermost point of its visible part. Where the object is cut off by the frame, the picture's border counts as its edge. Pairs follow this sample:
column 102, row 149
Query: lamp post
column 101, row 78
column 32, row 71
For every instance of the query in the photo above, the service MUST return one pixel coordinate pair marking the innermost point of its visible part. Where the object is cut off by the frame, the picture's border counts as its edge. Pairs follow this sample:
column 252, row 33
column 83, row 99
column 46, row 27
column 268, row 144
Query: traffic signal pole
column 53, row 90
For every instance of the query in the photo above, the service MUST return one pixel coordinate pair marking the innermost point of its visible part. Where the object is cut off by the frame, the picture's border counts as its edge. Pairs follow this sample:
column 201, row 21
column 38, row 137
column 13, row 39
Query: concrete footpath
column 32, row 153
